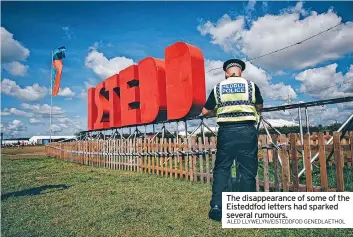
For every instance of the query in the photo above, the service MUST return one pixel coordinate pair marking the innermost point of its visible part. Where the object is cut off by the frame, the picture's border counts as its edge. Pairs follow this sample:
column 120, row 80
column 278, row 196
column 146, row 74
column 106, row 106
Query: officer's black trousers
column 236, row 141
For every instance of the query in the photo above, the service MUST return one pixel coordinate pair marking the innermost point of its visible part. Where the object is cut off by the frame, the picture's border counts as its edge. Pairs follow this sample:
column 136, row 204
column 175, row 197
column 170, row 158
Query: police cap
column 234, row 63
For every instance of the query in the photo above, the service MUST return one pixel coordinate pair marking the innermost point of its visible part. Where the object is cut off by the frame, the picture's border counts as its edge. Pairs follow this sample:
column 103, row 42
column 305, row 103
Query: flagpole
column 51, row 92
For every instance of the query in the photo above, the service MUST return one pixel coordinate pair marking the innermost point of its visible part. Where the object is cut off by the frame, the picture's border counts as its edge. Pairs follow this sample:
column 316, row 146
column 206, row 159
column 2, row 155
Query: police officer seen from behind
column 236, row 102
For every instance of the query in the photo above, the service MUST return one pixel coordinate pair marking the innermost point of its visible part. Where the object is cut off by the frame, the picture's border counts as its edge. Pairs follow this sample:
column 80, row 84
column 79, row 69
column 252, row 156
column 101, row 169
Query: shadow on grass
column 35, row 191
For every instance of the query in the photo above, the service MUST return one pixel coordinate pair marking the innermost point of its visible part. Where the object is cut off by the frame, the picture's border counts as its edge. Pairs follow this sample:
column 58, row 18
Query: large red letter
column 92, row 108
column 102, row 102
column 153, row 102
column 112, row 86
column 130, row 96
column 185, row 78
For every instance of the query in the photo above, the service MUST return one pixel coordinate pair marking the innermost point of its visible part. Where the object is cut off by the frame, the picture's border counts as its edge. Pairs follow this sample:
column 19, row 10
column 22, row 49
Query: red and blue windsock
column 57, row 68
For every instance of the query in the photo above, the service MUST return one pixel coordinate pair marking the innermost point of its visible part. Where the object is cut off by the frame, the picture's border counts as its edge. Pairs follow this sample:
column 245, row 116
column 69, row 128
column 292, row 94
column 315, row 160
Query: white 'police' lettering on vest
column 233, row 88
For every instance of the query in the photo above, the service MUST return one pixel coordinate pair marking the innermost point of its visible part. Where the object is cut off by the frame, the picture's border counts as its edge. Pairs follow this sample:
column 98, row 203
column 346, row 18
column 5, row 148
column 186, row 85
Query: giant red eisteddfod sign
column 153, row 90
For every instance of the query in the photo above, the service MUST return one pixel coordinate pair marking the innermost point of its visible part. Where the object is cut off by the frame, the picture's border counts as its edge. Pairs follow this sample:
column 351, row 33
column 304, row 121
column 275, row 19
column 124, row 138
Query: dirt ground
column 25, row 152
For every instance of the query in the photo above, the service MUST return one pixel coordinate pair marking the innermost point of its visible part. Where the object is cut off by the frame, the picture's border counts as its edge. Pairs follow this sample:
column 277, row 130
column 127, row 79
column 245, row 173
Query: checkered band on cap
column 238, row 114
column 234, row 65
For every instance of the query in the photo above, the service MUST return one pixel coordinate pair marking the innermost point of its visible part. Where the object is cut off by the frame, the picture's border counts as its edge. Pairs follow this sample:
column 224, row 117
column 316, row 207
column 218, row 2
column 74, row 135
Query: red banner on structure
column 153, row 90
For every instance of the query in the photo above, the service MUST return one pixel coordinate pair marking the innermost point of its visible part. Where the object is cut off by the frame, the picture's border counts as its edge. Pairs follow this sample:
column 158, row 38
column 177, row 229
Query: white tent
column 280, row 123
column 41, row 139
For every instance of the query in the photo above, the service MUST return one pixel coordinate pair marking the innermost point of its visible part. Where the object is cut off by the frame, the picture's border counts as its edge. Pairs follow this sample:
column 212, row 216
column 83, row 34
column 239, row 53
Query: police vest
column 235, row 100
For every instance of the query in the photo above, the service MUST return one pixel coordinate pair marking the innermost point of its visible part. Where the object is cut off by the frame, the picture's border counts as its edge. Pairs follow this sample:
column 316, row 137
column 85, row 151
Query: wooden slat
column 110, row 154
column 193, row 160
column 201, row 148
column 104, row 157
column 132, row 150
column 100, row 148
column 308, row 172
column 170, row 149
column 285, row 170
column 175, row 158
column 118, row 149
column 165, row 158
column 125, row 158
column 156, row 157
column 105, row 154
column 179, row 159
column 146, row 148
column 110, row 148
column 131, row 158
column 339, row 161
column 101, row 157
column 129, row 161
column 90, row 149
column 150, row 159
column 86, row 155
column 213, row 146
column 276, row 162
column 322, row 157
column 114, row 150
column 350, row 160
column 294, row 159
column 122, row 150
column 96, row 148
column 207, row 147
column 140, row 150
column 186, row 159
column 96, row 156
column 161, row 158
column 265, row 159
column 136, row 158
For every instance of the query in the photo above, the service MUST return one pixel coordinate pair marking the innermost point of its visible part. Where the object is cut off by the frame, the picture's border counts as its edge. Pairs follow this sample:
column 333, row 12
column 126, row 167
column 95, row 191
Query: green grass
column 100, row 202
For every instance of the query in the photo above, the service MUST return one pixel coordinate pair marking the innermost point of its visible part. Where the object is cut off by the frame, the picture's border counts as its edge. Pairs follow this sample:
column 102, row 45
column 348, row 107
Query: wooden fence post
column 294, row 162
column 350, row 156
column 285, row 170
column 193, row 159
column 213, row 146
column 186, row 159
column 322, row 157
column 308, row 172
column 207, row 148
column 275, row 163
column 265, row 159
column 201, row 149
column 175, row 157
column 339, row 161
column 170, row 150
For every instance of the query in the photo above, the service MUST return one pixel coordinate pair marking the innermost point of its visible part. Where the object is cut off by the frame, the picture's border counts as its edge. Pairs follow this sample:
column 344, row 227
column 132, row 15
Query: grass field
column 48, row 197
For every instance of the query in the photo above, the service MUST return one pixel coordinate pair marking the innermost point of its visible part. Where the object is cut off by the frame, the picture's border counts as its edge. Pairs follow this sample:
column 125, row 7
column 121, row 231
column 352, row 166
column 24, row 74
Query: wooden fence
column 193, row 160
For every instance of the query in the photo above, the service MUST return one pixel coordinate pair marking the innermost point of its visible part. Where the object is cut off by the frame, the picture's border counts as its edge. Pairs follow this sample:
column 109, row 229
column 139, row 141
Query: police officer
column 236, row 102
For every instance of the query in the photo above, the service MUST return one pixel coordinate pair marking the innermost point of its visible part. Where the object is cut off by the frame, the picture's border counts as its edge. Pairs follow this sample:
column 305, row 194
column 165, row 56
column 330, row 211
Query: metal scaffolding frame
column 119, row 132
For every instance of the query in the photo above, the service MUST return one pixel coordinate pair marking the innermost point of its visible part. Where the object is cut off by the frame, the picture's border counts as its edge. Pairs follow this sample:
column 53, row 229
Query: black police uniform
column 236, row 140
